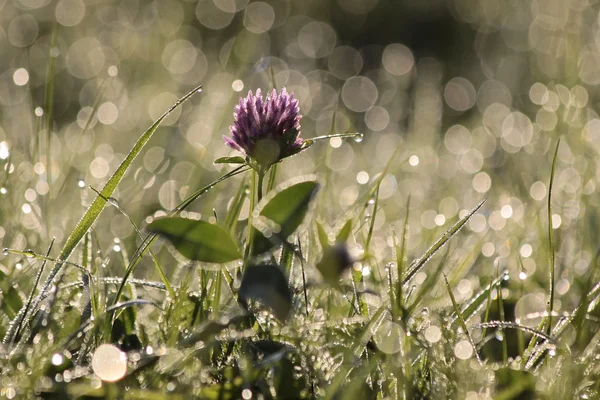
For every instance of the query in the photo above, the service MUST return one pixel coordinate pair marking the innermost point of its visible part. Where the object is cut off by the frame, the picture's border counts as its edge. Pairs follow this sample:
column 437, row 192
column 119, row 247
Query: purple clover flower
column 266, row 130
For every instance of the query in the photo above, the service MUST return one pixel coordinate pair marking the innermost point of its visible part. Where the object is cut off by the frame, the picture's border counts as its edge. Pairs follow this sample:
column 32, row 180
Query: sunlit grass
column 436, row 237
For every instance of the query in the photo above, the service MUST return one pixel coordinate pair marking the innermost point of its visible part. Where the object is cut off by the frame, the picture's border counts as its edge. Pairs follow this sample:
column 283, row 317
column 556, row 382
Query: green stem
column 272, row 176
column 253, row 196
column 259, row 186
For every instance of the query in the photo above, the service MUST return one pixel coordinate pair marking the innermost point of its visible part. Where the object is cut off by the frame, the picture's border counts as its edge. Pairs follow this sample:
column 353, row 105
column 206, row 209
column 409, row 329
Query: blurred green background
column 475, row 93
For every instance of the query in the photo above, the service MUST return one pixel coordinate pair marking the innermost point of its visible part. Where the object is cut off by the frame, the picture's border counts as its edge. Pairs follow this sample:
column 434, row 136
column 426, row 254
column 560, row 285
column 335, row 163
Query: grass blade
column 551, row 240
column 98, row 205
column 461, row 320
column 419, row 263
column 12, row 334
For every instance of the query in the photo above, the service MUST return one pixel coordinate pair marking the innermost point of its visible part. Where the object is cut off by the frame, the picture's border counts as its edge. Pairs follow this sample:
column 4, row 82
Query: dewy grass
column 320, row 285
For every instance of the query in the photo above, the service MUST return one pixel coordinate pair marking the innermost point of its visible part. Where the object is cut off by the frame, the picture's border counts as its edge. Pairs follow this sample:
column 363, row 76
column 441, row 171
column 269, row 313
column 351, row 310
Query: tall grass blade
column 551, row 240
column 461, row 320
column 15, row 329
column 419, row 263
column 100, row 201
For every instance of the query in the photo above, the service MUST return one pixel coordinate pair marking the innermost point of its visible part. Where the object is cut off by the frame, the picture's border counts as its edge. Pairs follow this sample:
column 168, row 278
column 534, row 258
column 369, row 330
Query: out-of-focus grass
column 457, row 101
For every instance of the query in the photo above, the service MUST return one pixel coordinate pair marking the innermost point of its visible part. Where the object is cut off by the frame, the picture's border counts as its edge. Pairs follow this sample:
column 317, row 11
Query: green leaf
column 345, row 232
column 322, row 236
column 197, row 240
column 230, row 160
column 267, row 284
column 281, row 212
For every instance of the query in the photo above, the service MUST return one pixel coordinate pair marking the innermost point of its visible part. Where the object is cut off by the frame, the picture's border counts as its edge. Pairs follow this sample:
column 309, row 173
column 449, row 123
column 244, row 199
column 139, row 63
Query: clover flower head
column 266, row 130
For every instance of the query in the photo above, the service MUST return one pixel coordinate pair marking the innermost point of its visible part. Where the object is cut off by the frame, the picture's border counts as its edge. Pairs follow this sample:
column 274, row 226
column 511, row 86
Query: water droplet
column 371, row 201
column 359, row 137
column 3, row 190
column 5, row 251
column 57, row 359
column 109, row 363
column 522, row 276
column 29, row 253
column 19, row 266
column 463, row 350
column 81, row 183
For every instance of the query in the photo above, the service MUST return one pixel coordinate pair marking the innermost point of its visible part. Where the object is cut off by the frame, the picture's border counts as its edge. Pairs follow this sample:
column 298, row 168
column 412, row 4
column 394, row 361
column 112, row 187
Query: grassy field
column 424, row 225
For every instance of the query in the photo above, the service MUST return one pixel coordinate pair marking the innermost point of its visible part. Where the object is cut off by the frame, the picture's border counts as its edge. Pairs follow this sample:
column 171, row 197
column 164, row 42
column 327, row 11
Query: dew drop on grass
column 3, row 190
column 109, row 363
column 522, row 275
column 81, row 183
column 388, row 337
column 57, row 359
column 5, row 251
column 433, row 334
column 359, row 137
column 246, row 394
column 463, row 350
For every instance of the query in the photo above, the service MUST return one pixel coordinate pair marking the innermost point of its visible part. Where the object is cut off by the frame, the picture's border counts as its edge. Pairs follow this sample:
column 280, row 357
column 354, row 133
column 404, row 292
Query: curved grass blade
column 97, row 206
column 15, row 329
column 370, row 329
column 112, row 201
column 477, row 302
column 419, row 263
column 514, row 325
column 551, row 239
column 461, row 320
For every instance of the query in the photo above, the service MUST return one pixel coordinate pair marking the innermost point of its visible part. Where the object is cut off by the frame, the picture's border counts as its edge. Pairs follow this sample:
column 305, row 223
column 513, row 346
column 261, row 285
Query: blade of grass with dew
column 546, row 322
column 112, row 201
column 99, row 202
column 12, row 334
column 369, row 331
column 428, row 285
column 151, row 238
column 401, row 258
column 514, row 325
column 535, row 352
column 419, row 263
column 551, row 240
column 520, row 337
column 461, row 320
column 501, row 312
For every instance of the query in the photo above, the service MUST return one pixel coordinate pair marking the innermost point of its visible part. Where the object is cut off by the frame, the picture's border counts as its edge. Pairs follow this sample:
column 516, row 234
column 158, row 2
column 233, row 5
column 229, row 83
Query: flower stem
column 259, row 186
column 253, row 196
